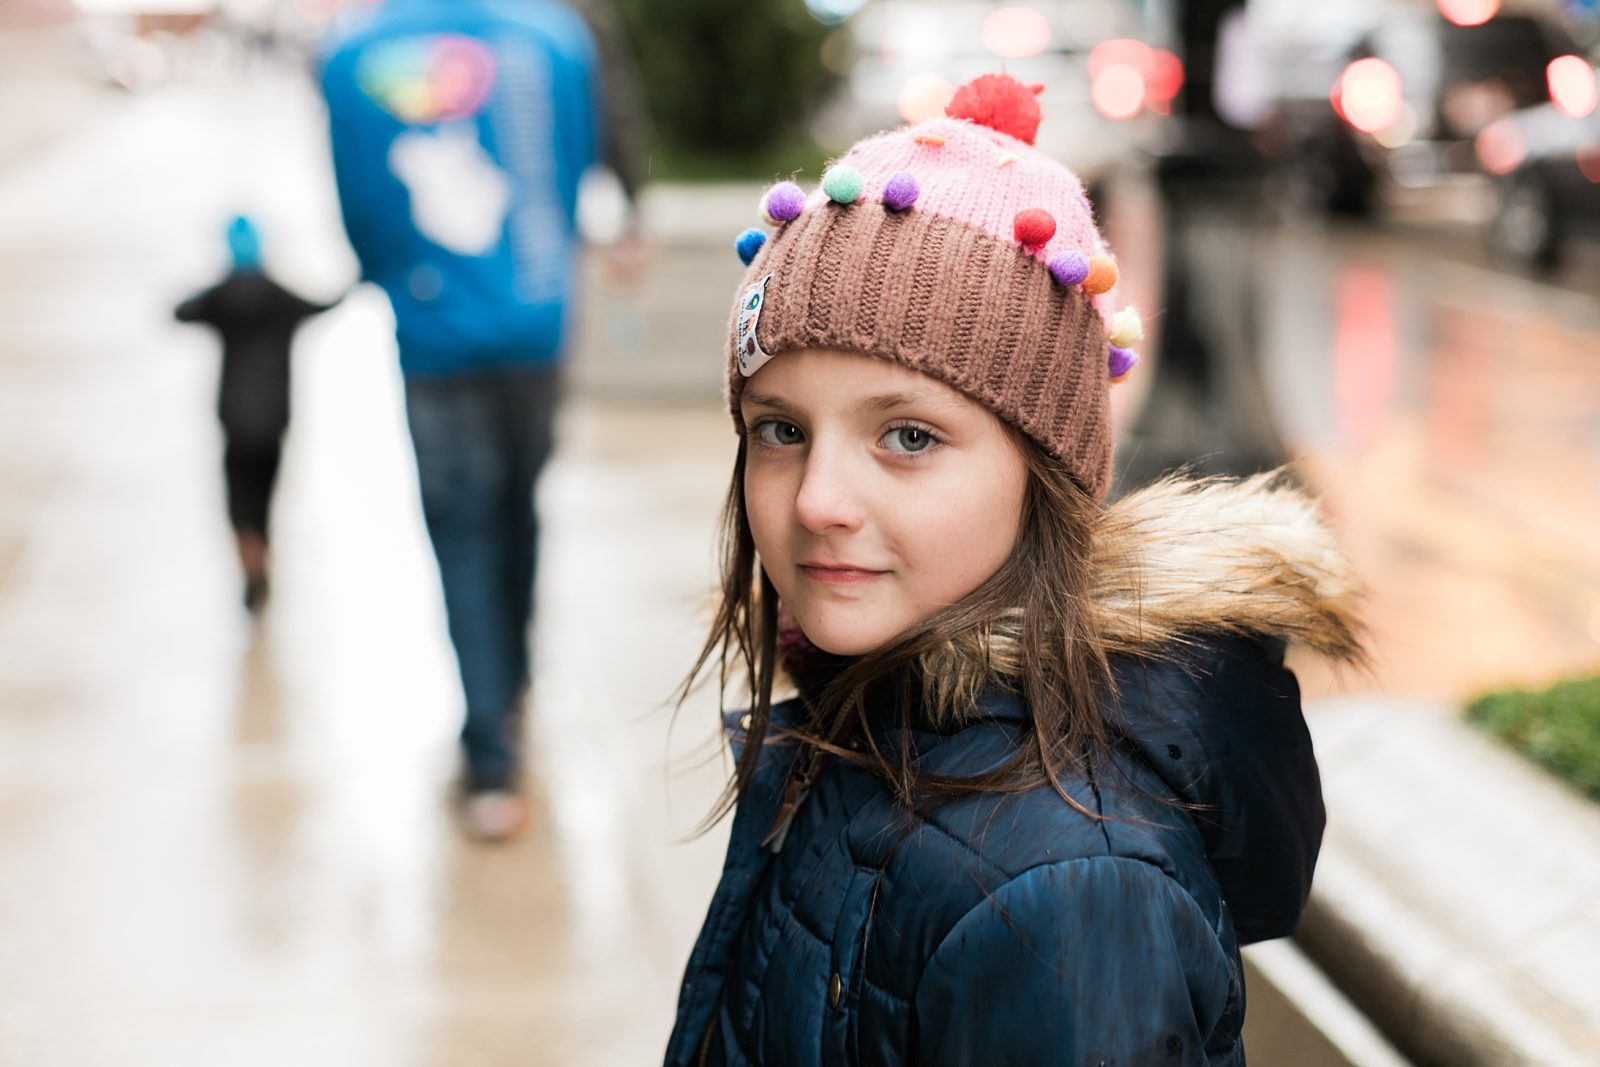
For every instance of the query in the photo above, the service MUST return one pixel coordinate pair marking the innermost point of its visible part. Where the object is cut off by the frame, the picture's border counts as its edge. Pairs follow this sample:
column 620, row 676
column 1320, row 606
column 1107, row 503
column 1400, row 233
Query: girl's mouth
column 839, row 575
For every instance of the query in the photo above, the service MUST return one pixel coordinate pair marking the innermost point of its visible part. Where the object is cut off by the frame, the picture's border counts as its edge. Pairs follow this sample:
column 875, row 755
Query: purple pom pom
column 1069, row 268
column 1121, row 362
column 901, row 191
column 785, row 201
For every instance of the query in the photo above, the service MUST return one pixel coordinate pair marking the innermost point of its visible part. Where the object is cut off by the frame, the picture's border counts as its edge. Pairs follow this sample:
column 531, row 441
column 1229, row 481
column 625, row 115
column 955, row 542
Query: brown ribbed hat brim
column 949, row 300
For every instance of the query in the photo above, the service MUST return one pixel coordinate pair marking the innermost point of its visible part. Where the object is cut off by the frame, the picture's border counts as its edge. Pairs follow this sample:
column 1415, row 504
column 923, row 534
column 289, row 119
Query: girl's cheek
column 764, row 508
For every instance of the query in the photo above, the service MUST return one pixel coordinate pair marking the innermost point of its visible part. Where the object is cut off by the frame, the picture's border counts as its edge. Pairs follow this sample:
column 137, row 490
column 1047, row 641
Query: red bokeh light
column 1469, row 12
column 1368, row 96
column 1126, row 76
column 1016, row 32
column 1164, row 75
column 1118, row 91
column 1572, row 85
column 1119, row 51
column 1501, row 147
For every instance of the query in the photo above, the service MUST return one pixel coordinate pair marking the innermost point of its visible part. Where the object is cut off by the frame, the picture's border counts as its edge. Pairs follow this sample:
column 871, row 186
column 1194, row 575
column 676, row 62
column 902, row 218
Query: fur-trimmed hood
column 1183, row 556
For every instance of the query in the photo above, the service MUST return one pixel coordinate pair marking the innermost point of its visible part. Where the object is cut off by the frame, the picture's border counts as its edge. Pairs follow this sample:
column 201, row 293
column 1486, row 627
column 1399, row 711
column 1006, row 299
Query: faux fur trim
column 1182, row 557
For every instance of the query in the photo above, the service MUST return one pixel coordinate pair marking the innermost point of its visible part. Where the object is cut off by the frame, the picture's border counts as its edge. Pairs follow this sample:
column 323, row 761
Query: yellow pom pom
column 1126, row 328
column 1102, row 275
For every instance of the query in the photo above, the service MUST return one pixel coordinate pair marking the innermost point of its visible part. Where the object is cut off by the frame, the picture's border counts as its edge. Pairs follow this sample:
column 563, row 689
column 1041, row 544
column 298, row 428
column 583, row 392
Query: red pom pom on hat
column 999, row 102
column 1034, row 227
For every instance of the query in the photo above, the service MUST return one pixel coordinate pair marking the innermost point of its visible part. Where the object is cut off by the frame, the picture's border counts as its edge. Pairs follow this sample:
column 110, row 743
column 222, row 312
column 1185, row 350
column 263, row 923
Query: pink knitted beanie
column 955, row 248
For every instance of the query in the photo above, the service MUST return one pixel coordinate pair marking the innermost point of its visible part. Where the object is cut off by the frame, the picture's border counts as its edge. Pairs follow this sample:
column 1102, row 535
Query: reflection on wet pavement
column 1451, row 415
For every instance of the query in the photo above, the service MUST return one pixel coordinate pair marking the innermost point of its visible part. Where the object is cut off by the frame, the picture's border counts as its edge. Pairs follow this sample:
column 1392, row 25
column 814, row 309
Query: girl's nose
column 827, row 500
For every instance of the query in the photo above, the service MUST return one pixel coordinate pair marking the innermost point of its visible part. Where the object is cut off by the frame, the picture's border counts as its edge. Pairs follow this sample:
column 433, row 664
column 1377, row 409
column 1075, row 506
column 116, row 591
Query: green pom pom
column 843, row 184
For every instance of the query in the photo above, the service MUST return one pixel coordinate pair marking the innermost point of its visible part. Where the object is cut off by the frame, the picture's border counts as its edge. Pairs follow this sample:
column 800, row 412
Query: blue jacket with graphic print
column 460, row 129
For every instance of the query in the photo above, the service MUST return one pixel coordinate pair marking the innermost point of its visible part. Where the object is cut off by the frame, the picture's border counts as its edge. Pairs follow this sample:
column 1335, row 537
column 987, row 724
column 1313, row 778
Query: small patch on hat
column 752, row 357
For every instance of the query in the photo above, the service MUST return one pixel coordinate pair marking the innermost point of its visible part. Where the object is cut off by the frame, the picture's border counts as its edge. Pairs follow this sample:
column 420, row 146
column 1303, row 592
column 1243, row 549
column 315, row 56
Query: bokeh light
column 1501, row 147
column 1400, row 132
column 1016, row 32
column 1368, row 95
column 833, row 12
column 1589, row 161
column 1119, row 51
column 1119, row 91
column 1572, row 86
column 1119, row 77
column 1165, row 75
column 1469, row 12
column 924, row 96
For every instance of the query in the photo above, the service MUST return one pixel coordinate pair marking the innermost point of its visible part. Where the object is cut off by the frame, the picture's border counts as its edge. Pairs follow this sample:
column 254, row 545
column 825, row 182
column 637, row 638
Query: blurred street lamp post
column 1207, row 407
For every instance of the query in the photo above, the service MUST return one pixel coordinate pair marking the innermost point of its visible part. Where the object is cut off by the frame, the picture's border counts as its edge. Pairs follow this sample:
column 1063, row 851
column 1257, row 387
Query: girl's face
column 876, row 494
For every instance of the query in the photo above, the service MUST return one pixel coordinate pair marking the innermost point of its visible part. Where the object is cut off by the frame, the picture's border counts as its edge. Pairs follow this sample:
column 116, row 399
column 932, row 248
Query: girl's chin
column 846, row 639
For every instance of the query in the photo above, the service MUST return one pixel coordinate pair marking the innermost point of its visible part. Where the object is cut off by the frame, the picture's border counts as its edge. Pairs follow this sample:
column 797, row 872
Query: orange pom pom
column 1102, row 275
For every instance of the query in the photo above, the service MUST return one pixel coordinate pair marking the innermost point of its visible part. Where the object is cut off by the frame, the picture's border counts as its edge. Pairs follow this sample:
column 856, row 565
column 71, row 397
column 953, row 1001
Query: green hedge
column 1558, row 727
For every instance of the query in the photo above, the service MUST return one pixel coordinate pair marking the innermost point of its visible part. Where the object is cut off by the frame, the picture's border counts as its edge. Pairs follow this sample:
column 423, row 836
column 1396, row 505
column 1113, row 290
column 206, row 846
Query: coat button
column 835, row 990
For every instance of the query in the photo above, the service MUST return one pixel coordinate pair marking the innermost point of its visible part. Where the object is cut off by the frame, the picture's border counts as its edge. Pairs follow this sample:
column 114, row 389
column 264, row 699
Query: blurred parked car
column 1547, row 165
column 1407, row 102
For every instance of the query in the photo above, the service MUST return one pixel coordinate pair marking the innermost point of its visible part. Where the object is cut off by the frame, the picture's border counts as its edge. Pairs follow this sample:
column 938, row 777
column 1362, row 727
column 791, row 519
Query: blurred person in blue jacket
column 460, row 130
column 256, row 318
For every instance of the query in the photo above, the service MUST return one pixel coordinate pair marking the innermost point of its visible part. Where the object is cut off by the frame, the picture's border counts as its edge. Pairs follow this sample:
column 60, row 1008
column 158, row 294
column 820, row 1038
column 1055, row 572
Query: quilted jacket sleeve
column 1094, row 960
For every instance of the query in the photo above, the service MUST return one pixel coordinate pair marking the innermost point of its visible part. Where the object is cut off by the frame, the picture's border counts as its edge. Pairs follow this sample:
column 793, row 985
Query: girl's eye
column 909, row 439
column 775, row 433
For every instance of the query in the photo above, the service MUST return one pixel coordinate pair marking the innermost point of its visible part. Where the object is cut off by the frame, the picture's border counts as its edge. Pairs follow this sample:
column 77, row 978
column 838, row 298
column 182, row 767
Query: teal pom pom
column 749, row 243
column 843, row 184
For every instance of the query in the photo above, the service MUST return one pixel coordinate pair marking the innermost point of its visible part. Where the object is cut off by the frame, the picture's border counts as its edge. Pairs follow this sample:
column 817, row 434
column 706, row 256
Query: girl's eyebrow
column 764, row 400
column 879, row 402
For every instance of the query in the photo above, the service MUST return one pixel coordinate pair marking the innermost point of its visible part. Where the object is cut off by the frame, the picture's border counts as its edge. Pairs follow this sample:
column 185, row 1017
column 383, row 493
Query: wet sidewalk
column 229, row 844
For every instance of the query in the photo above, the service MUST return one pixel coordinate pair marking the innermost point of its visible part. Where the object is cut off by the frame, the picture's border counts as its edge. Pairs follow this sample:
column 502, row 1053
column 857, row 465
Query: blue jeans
column 481, row 439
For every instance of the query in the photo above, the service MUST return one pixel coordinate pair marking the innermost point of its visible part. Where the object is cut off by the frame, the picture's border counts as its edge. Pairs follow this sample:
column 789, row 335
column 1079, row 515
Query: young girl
column 1045, row 770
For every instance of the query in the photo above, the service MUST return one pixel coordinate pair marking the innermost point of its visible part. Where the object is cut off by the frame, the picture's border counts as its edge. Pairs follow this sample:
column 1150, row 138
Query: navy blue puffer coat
column 1014, row 930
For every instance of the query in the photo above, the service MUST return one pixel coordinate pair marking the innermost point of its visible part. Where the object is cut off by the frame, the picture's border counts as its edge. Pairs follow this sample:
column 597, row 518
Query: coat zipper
column 705, row 1040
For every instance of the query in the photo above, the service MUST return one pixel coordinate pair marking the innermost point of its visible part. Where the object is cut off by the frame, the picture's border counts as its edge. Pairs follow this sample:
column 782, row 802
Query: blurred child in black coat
column 256, row 318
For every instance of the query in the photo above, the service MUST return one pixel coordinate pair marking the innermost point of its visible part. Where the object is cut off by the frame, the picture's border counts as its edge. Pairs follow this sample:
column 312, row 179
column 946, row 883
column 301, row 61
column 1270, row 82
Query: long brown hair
column 1031, row 628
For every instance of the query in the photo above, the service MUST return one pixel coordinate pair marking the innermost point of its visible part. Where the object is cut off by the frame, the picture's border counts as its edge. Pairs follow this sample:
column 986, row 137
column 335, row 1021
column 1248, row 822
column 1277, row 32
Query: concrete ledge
column 1457, row 899
column 1296, row 1018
